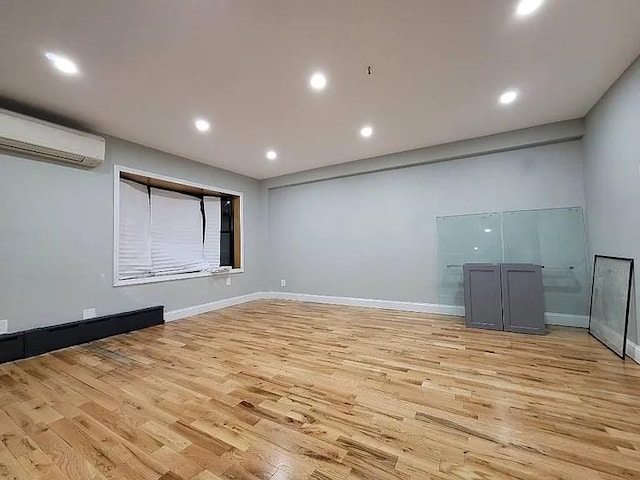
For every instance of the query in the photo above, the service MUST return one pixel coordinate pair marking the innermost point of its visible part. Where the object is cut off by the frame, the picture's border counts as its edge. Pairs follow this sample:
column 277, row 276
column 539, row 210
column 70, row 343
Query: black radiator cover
column 46, row 339
column 11, row 347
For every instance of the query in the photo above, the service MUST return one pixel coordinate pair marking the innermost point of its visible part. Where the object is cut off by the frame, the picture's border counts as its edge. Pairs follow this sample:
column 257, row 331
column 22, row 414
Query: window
column 166, row 229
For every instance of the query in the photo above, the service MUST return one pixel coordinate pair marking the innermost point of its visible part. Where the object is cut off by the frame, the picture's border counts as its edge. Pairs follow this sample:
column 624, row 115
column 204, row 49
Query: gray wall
column 612, row 174
column 374, row 235
column 56, row 239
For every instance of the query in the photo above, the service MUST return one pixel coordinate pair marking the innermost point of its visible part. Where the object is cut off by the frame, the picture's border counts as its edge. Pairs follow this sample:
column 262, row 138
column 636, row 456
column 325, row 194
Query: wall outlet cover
column 229, row 281
column 4, row 326
column 283, row 283
column 88, row 313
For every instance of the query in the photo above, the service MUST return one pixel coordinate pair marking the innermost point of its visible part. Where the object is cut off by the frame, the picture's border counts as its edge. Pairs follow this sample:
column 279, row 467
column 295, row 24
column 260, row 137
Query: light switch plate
column 88, row 313
column 4, row 326
column 229, row 281
column 283, row 283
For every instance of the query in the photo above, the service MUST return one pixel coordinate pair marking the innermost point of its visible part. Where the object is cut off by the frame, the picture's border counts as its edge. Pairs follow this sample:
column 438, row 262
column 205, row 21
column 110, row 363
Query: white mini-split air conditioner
column 31, row 136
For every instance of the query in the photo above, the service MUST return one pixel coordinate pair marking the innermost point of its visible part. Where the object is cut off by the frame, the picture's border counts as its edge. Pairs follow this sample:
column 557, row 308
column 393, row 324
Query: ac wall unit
column 31, row 136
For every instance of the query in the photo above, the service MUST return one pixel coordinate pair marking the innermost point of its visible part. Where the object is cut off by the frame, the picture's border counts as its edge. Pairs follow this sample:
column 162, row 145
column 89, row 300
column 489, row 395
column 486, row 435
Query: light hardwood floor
column 286, row 390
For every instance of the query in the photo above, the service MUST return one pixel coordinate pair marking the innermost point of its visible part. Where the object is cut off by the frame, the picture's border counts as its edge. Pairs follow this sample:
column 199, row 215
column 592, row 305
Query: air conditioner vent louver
column 40, row 151
column 35, row 137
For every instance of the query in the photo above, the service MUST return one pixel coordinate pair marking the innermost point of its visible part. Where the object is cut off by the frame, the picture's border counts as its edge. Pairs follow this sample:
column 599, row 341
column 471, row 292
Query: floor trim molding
column 551, row 318
column 179, row 313
column 566, row 320
column 371, row 303
column 633, row 351
column 562, row 319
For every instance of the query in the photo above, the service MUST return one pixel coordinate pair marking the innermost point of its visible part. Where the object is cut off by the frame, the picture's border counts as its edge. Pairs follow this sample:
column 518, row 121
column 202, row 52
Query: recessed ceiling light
column 272, row 155
column 527, row 7
column 366, row 132
column 63, row 64
column 487, row 230
column 202, row 125
column 318, row 81
column 476, row 248
column 508, row 97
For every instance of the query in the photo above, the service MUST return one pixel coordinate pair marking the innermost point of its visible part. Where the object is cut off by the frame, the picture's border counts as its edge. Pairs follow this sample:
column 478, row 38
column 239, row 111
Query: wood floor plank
column 39, row 466
column 276, row 390
column 10, row 468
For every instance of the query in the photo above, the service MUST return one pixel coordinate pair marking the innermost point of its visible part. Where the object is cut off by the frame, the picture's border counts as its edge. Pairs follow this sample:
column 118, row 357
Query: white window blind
column 176, row 233
column 134, row 240
column 212, row 214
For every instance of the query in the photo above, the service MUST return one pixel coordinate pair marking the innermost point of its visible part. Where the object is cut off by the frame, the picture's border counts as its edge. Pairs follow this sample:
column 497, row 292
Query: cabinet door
column 522, row 298
column 482, row 296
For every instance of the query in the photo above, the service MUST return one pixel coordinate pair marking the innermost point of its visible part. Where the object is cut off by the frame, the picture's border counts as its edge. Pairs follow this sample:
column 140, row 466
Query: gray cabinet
column 482, row 295
column 505, row 296
column 522, row 298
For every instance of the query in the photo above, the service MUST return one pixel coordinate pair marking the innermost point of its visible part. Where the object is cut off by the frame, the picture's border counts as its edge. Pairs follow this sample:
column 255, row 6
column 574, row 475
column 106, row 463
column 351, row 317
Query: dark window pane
column 226, row 249
column 226, row 232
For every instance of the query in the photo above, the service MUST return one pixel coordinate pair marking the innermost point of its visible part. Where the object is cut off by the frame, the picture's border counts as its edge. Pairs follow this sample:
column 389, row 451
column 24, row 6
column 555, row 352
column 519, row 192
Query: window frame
column 215, row 191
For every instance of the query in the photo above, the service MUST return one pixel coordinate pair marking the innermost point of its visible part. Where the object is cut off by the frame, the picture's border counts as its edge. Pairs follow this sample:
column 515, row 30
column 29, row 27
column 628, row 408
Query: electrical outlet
column 283, row 283
column 88, row 313
column 4, row 326
column 229, row 281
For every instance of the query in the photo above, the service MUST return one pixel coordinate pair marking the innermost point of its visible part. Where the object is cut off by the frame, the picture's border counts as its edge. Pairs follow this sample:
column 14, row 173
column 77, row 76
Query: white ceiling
column 149, row 67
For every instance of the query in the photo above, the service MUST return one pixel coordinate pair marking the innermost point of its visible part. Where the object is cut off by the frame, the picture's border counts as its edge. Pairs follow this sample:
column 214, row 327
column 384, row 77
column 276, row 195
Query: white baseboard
column 371, row 303
column 435, row 308
column 566, row 320
column 211, row 306
column 173, row 315
column 633, row 351
column 563, row 319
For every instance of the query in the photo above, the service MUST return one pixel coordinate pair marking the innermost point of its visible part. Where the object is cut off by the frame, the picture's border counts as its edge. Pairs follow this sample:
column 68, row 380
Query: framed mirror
column 610, row 298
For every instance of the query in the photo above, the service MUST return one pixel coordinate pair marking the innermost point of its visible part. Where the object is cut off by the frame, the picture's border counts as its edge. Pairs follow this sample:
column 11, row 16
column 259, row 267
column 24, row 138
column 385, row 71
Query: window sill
column 169, row 278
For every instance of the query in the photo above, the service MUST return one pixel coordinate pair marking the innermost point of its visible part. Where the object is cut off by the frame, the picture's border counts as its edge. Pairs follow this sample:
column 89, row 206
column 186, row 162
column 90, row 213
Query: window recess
column 168, row 229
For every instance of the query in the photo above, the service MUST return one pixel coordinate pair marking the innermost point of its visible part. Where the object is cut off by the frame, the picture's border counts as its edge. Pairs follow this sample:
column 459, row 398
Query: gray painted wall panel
column 612, row 175
column 373, row 235
column 56, row 239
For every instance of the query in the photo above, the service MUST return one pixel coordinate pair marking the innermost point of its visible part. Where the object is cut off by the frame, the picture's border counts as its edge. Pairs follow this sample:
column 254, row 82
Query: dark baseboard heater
column 30, row 343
